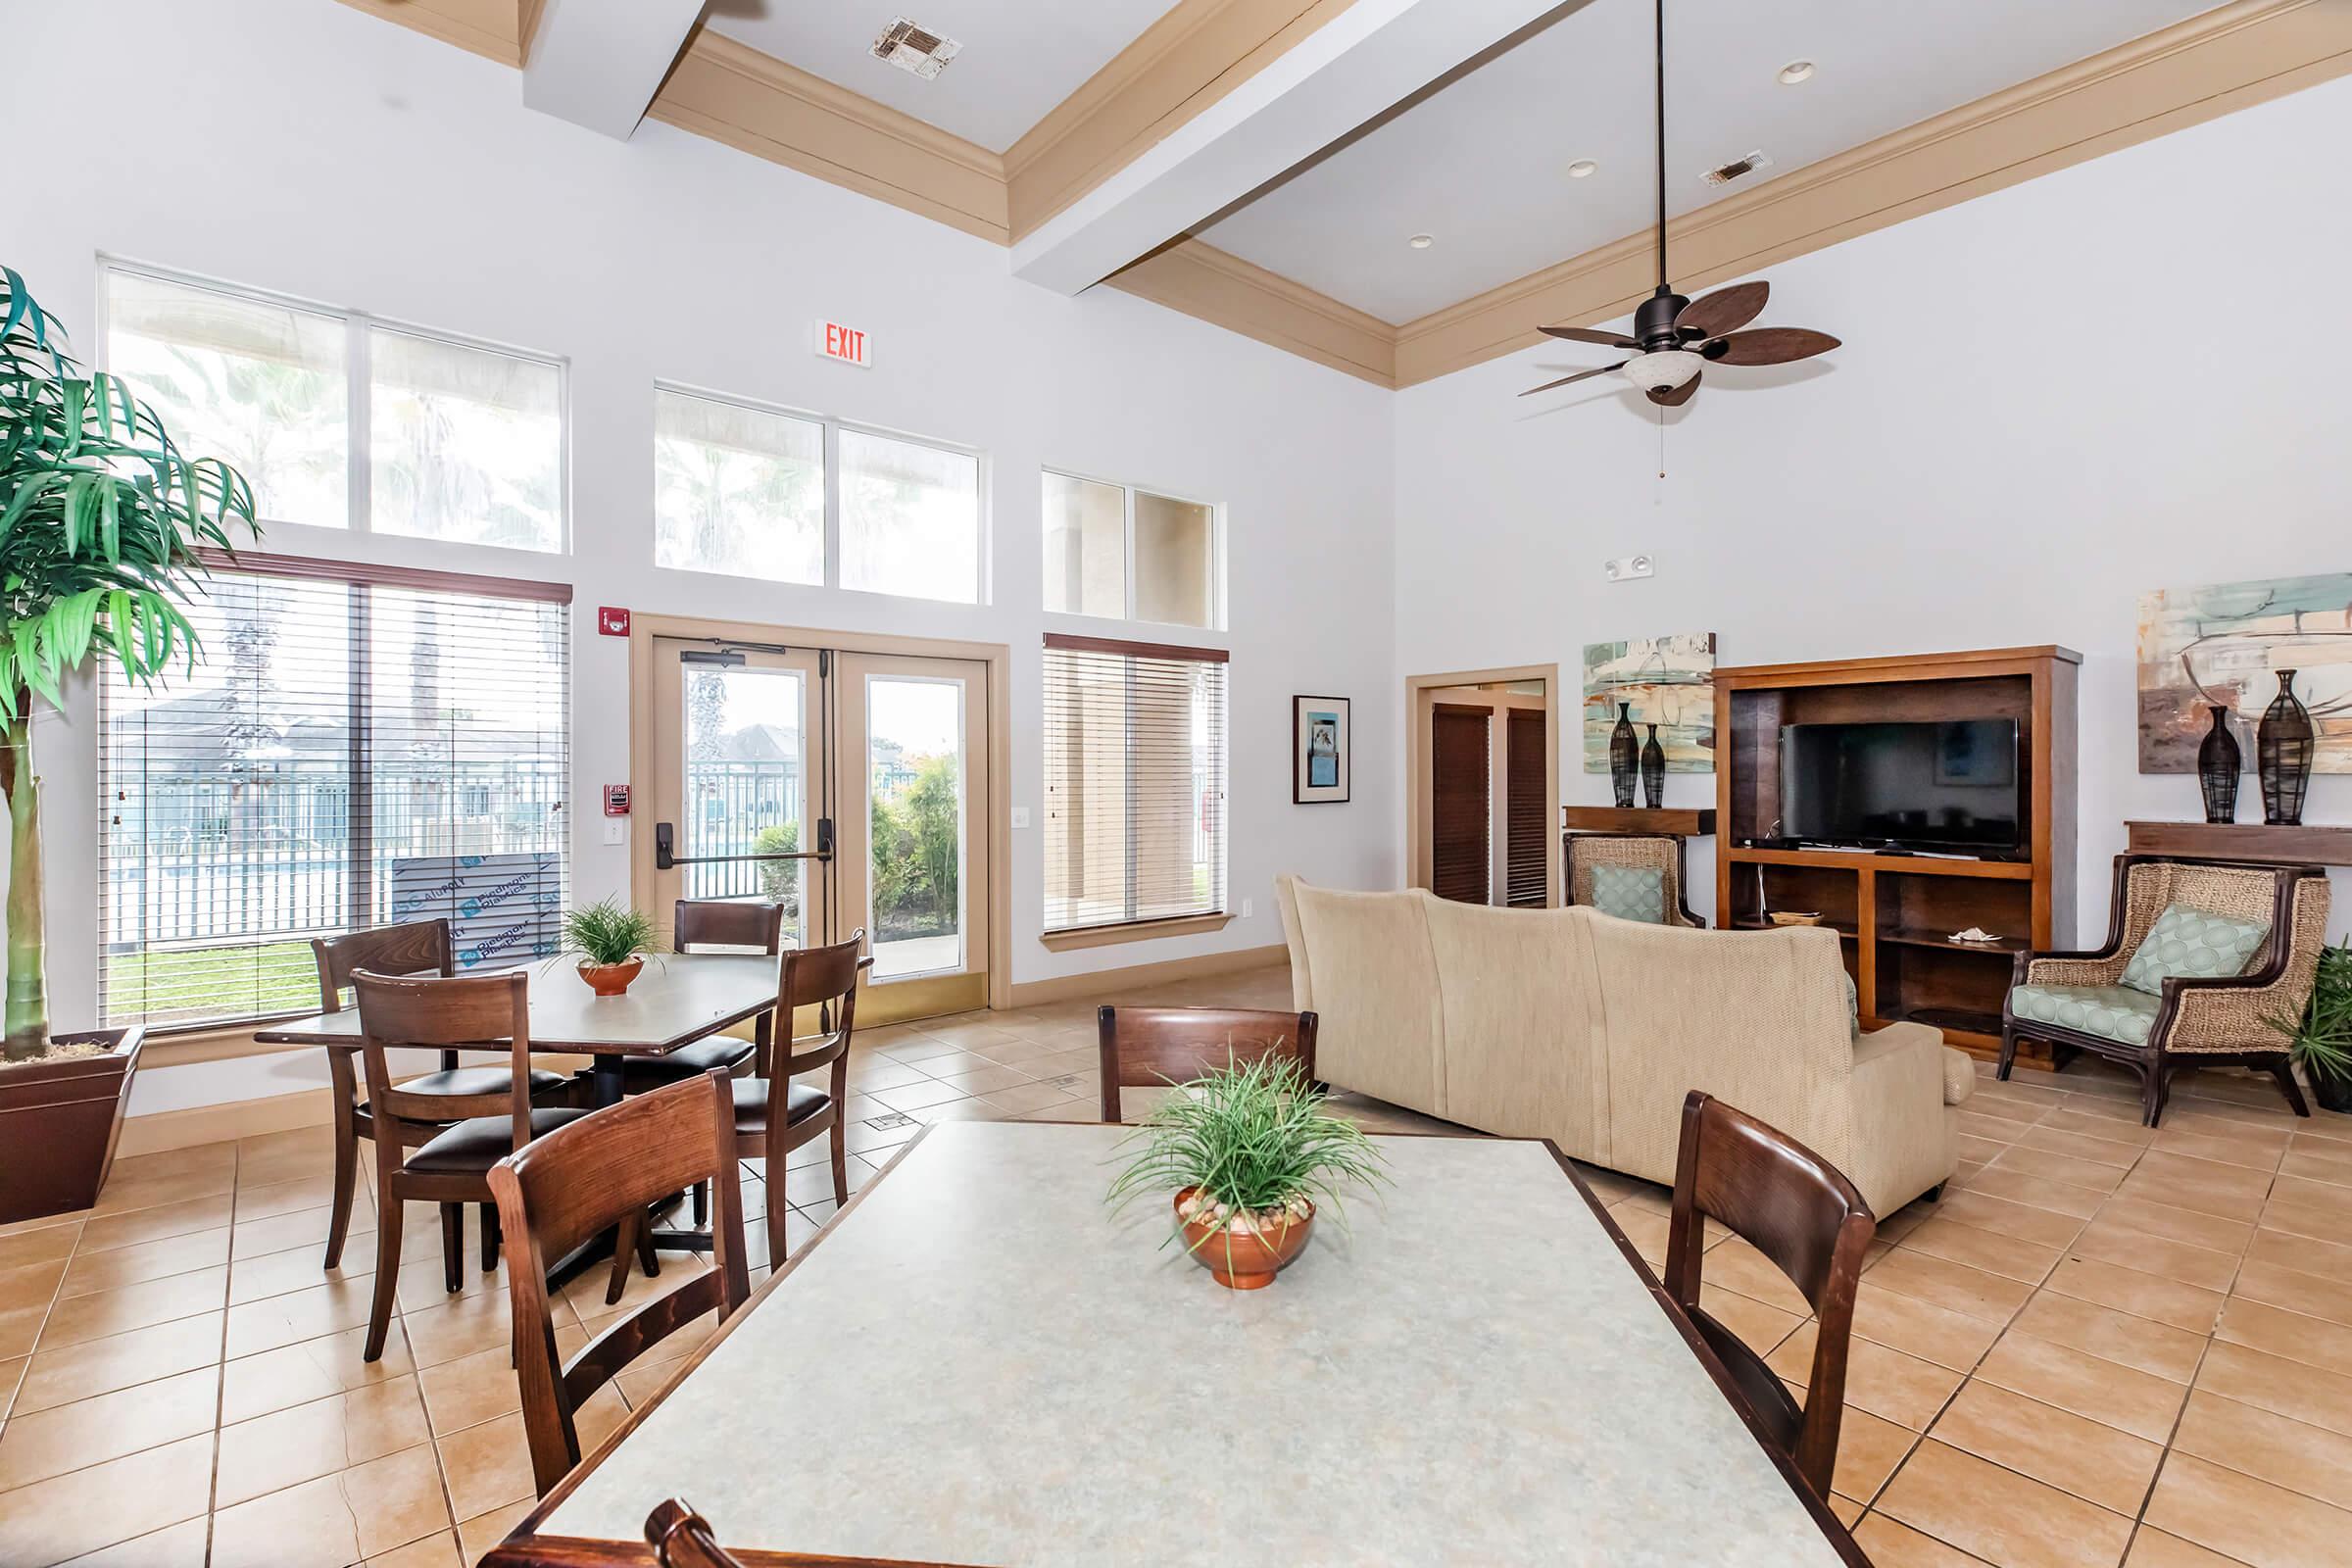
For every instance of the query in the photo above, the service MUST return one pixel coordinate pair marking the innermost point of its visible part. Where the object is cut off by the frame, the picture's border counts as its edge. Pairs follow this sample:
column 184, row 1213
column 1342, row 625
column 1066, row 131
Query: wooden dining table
column 977, row 1361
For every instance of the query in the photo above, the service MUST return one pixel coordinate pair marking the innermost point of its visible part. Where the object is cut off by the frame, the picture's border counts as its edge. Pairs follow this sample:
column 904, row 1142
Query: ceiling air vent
column 1738, row 167
column 910, row 48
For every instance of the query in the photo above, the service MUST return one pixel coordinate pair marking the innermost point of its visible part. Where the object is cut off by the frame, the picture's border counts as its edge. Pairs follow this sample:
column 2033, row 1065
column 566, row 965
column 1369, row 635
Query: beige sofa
column 1571, row 1025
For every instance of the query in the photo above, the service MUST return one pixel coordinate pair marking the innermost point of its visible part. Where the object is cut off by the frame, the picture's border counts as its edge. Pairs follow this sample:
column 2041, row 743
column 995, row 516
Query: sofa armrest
column 1903, row 1140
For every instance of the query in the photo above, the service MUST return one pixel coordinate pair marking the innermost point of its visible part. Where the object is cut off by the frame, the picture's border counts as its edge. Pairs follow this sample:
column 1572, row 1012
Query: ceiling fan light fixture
column 1797, row 70
column 1663, row 371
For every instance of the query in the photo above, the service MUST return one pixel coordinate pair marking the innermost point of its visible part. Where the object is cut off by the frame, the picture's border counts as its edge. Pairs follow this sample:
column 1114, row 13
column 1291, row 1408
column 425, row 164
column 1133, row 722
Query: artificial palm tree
column 100, row 520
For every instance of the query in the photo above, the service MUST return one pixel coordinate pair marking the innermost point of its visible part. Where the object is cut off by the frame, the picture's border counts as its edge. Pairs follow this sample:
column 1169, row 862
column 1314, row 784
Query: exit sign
column 847, row 344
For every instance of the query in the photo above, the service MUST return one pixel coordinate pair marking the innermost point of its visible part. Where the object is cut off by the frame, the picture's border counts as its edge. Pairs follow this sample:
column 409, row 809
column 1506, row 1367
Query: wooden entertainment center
column 1896, row 911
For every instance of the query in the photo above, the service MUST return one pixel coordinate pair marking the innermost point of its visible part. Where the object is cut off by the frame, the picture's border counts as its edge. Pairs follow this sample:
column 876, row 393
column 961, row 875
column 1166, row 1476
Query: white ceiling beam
column 598, row 63
column 1354, row 68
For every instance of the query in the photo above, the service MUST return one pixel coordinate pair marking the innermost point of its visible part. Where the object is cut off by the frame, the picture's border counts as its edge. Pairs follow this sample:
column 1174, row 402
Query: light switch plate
column 1249, row 907
column 1020, row 816
column 617, row 830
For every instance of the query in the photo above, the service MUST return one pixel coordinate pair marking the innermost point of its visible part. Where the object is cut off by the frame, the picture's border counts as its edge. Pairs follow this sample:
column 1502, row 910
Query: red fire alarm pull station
column 612, row 620
column 616, row 800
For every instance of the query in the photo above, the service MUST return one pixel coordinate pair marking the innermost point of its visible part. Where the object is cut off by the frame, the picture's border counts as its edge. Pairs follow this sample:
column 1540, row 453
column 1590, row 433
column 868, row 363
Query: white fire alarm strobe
column 846, row 345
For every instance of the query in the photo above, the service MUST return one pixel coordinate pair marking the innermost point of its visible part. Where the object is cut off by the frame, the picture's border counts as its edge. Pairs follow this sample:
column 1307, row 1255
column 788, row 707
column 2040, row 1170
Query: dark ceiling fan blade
column 1584, row 334
column 1726, row 310
column 1769, row 345
column 1675, row 397
column 1578, row 377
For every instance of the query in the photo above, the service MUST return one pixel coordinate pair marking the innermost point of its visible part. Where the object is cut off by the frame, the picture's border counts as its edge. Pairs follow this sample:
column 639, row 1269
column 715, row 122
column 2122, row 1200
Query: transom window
column 343, row 421
column 755, row 492
column 1123, row 554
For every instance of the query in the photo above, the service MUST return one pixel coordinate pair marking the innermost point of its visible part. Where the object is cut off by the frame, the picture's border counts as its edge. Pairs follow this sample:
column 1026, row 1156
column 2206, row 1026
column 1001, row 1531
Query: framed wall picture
column 1320, row 749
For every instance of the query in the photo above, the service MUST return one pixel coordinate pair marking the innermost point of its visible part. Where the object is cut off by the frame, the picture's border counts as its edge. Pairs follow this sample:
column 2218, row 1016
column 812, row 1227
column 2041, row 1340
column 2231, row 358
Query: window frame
column 350, row 574
column 357, row 390
column 832, row 425
column 1127, row 493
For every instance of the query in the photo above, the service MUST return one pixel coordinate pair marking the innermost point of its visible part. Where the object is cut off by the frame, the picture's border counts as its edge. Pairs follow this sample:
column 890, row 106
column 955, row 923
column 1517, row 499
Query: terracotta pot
column 610, row 979
column 1243, row 1260
column 58, row 1125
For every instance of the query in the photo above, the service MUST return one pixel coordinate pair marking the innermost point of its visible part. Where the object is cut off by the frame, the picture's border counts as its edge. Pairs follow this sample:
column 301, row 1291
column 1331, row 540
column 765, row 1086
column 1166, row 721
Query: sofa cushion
column 1630, row 893
column 1959, row 1076
column 2112, row 1013
column 2192, row 944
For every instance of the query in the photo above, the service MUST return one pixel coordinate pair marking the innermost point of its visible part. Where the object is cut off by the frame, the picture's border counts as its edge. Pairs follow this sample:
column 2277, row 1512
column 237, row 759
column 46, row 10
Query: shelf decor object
column 1896, row 914
column 1624, row 757
column 2219, row 762
column 1653, row 772
column 2284, row 748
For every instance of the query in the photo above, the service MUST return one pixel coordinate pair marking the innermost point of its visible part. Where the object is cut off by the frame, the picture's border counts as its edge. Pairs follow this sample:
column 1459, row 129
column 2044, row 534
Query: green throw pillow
column 1630, row 893
column 2195, row 944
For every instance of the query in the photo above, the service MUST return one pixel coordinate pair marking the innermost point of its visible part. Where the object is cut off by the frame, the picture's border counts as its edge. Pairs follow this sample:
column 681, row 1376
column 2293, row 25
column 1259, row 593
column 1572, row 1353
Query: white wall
column 306, row 148
column 2123, row 377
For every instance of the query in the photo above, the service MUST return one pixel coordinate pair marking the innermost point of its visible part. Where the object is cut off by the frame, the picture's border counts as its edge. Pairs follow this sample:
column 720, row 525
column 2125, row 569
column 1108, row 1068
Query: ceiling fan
column 1675, row 339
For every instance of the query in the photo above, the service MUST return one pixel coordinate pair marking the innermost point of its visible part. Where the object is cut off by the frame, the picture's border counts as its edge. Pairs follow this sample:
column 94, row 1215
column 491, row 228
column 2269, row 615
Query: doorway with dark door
column 1483, row 823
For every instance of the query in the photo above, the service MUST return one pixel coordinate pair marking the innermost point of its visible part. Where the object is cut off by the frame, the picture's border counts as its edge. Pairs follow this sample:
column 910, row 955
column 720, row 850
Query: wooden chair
column 420, row 947
column 1155, row 1047
column 438, row 1149
column 1795, row 1208
column 682, row 1538
column 698, row 925
column 586, row 1177
column 1665, row 854
column 826, row 979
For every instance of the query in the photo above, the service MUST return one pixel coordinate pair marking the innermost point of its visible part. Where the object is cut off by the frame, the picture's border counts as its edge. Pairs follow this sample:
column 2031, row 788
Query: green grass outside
column 233, row 981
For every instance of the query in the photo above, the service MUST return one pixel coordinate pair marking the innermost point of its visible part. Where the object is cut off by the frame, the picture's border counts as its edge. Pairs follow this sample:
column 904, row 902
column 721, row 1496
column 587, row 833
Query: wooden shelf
column 2002, row 947
column 1864, row 860
column 1848, row 932
column 2312, row 844
column 1680, row 824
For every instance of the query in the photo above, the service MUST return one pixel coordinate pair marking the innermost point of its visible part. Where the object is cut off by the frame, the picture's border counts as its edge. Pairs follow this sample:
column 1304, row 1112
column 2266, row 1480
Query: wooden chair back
column 1155, row 1047
column 682, row 1538
column 1799, row 1211
column 475, row 1013
column 826, row 979
column 587, row 1177
column 702, row 923
column 420, row 947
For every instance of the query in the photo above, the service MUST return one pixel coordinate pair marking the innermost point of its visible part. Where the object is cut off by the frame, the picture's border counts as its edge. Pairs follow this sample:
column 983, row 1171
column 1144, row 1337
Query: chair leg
column 841, row 1156
column 452, row 1244
column 2151, row 1094
column 1933, row 1195
column 777, row 1210
column 490, row 1237
column 347, row 1177
column 2008, row 1052
column 701, row 1205
column 624, row 1248
column 387, row 1273
column 2283, row 1069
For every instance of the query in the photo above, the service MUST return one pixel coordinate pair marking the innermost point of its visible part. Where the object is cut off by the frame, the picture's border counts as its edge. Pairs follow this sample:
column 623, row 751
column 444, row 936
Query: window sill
column 1104, row 935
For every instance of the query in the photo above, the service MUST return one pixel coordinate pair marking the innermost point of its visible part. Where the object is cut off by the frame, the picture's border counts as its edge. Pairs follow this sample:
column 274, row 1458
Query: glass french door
column 851, row 788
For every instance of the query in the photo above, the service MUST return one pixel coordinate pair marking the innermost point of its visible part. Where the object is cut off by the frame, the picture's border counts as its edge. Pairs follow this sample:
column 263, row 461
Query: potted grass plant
column 1247, row 1150
column 611, row 941
column 101, row 518
column 2320, row 1038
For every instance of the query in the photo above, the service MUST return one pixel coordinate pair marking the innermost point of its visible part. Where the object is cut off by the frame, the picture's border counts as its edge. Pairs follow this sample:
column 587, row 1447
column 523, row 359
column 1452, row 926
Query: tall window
column 755, row 492
column 354, row 747
column 1135, row 782
column 463, row 442
column 1129, row 555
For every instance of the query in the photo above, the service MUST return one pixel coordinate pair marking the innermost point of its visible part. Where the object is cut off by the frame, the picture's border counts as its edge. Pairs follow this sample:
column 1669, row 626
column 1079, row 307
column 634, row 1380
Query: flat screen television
column 1953, row 785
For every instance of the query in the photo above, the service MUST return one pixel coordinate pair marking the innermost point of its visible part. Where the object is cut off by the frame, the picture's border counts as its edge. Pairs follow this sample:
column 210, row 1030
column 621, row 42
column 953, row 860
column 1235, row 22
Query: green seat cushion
column 2112, row 1013
column 1630, row 893
column 2192, row 944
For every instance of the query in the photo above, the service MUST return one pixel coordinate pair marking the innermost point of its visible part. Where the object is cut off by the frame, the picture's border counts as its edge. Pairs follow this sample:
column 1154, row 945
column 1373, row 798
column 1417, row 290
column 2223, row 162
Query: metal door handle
column 666, row 841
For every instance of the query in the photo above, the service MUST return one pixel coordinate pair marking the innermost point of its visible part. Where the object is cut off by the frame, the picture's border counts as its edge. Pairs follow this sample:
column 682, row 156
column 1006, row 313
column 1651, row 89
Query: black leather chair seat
column 752, row 1103
column 480, row 1142
column 644, row 1074
column 481, row 1081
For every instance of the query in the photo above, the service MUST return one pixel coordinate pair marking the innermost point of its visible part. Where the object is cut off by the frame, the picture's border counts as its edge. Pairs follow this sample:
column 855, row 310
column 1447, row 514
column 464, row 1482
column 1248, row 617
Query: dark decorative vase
column 2217, row 763
column 2282, row 750
column 1624, row 755
column 1653, row 772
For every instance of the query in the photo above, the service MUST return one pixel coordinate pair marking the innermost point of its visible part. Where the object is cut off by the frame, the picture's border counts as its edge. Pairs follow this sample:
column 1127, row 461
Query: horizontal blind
column 348, row 752
column 1135, row 783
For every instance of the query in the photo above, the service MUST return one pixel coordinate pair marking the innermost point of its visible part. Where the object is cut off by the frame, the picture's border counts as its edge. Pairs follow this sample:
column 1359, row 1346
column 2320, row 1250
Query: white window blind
column 1135, row 782
column 354, row 747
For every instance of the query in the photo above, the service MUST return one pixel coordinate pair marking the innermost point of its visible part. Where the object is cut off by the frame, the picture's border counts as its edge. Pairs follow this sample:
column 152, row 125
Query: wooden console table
column 1680, row 824
column 2313, row 843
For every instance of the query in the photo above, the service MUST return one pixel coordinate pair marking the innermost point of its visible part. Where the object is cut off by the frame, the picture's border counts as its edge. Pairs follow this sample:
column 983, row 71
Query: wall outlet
column 1630, row 568
column 1020, row 816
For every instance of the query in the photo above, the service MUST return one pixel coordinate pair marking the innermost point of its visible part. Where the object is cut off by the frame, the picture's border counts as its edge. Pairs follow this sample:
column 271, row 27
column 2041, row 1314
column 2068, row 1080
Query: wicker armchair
column 1662, row 852
column 2077, row 1002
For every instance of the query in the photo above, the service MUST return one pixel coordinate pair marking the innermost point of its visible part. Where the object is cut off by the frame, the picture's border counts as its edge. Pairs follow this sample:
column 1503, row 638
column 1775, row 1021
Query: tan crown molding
column 1195, row 54
column 492, row 28
column 1220, row 288
column 755, row 103
column 2228, row 59
column 526, row 30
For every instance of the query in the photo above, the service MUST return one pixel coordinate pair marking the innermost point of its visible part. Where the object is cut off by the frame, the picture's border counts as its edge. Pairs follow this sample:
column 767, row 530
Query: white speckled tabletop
column 979, row 1364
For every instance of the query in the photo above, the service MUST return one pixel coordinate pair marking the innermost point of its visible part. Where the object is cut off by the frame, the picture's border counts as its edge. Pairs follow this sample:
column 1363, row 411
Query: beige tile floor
column 2106, row 1345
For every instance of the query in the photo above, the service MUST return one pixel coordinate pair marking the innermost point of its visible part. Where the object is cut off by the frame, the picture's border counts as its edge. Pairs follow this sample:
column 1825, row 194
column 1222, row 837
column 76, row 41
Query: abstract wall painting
column 1666, row 681
column 2226, row 642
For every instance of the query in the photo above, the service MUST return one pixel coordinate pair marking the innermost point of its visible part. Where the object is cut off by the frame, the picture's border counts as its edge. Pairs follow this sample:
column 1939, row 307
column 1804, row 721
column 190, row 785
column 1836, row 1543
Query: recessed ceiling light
column 1794, row 71
column 1422, row 242
column 1582, row 167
